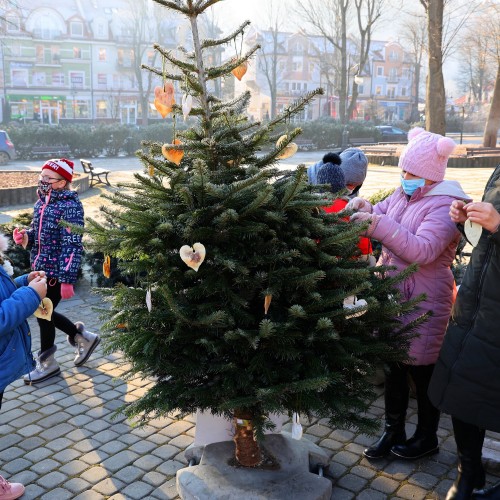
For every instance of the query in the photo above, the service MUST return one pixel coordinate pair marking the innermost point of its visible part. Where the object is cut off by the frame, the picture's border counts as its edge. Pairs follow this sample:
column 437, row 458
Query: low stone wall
column 28, row 194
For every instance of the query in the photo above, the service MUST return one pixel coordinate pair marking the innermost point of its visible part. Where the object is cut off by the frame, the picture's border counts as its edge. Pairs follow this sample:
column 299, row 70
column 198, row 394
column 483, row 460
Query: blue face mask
column 411, row 185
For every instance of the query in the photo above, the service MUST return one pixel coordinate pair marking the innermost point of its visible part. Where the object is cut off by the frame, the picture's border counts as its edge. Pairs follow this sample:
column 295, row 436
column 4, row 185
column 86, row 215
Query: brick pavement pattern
column 64, row 440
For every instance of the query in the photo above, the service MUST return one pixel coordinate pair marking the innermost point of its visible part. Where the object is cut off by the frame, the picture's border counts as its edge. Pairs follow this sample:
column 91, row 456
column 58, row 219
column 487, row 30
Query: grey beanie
column 332, row 174
column 355, row 165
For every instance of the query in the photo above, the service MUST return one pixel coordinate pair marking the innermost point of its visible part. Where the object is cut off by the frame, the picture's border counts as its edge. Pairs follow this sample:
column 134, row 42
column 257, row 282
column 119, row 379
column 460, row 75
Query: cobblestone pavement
column 62, row 440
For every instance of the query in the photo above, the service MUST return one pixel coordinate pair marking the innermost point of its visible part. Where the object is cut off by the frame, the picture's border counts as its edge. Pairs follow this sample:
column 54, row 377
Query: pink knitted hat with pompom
column 426, row 154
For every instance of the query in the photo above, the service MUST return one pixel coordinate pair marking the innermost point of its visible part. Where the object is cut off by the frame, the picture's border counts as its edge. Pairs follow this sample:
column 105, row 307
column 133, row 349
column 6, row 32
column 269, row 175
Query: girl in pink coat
column 414, row 226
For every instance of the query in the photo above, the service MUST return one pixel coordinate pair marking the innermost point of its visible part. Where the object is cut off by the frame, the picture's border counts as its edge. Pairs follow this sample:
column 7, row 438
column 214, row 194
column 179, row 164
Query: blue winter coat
column 56, row 249
column 16, row 304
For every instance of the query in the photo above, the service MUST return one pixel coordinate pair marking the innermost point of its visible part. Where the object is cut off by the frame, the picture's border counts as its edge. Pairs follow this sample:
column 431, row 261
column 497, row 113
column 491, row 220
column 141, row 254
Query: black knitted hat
column 332, row 174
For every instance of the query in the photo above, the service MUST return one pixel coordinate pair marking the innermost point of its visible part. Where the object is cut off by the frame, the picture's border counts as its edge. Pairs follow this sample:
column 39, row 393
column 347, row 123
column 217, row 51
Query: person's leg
column 46, row 364
column 84, row 341
column 424, row 441
column 9, row 491
column 469, row 439
column 396, row 403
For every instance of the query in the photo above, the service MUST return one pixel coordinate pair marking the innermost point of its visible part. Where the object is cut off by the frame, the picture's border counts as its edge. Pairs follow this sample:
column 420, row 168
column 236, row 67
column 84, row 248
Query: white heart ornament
column 45, row 309
column 148, row 300
column 187, row 104
column 473, row 231
column 296, row 427
column 353, row 303
column 193, row 256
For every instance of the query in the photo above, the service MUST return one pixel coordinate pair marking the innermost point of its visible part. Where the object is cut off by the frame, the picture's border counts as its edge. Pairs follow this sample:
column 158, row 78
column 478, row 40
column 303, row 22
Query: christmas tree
column 240, row 275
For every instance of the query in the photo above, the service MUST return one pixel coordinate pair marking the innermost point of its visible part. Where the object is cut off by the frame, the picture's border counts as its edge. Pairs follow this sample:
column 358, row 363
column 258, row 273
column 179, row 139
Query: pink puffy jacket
column 419, row 229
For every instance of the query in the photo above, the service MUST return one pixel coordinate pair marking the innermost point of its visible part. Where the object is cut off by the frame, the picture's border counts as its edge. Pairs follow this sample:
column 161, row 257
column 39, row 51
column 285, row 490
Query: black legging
column 1, row 397
column 48, row 328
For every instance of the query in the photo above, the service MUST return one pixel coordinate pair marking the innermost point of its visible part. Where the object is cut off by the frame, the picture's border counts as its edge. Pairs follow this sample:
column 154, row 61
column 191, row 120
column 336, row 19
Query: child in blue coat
column 19, row 299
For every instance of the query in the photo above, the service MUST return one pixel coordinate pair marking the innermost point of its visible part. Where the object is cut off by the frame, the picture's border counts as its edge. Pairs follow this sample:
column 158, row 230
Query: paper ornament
column 289, row 150
column 473, row 231
column 267, row 303
column 151, row 170
column 163, row 109
column 45, row 309
column 173, row 155
column 239, row 71
column 187, row 104
column 148, row 300
column 296, row 427
column 353, row 302
column 193, row 256
column 106, row 266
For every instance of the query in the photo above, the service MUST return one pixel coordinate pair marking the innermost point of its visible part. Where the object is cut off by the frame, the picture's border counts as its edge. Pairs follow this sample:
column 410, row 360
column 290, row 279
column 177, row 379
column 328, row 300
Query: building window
column 393, row 56
column 380, row 71
column 55, row 56
column 76, row 79
column 39, row 54
column 403, row 91
column 76, row 28
column 102, row 80
column 13, row 23
column 391, row 92
column 102, row 109
column 378, row 90
column 38, row 78
column 19, row 77
column 361, row 89
column 77, row 53
column 102, row 54
column 58, row 79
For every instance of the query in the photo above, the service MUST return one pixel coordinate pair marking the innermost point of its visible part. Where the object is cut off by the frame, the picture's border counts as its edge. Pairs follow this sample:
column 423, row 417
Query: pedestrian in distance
column 413, row 226
column 19, row 299
column 466, row 380
column 56, row 249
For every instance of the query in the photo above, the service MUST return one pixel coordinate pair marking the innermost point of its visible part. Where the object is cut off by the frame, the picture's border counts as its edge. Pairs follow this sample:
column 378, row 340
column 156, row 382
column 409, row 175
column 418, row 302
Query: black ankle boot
column 464, row 485
column 416, row 447
column 388, row 439
column 492, row 493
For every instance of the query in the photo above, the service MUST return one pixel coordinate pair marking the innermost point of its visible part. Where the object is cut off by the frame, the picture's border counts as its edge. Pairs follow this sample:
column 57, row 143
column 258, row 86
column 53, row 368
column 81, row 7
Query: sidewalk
column 60, row 439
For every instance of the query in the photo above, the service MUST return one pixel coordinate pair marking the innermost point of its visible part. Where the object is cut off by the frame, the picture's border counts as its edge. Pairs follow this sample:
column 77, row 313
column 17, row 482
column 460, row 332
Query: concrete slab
column 215, row 479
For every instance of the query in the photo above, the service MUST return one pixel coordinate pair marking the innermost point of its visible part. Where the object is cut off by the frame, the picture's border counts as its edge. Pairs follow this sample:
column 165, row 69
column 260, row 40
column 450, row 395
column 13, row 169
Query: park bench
column 50, row 151
column 379, row 150
column 95, row 173
column 483, row 151
column 361, row 141
column 304, row 144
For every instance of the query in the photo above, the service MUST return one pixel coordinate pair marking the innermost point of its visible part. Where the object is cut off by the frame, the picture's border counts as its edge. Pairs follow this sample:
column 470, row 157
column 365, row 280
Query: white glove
column 359, row 205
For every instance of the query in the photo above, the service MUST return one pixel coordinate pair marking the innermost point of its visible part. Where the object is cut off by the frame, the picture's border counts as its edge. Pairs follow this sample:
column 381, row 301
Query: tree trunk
column 435, row 102
column 493, row 122
column 247, row 449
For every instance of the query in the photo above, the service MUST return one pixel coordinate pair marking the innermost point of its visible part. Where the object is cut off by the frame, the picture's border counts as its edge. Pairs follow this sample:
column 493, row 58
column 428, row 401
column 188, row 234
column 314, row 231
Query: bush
column 17, row 254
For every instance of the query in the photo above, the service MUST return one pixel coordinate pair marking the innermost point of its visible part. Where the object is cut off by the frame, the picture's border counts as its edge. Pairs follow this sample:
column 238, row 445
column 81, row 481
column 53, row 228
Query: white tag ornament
column 148, row 300
column 352, row 302
column 193, row 256
column 473, row 231
column 296, row 427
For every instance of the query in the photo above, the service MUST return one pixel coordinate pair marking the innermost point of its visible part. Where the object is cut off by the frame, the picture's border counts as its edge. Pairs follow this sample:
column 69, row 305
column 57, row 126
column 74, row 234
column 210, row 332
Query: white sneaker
column 46, row 367
column 86, row 342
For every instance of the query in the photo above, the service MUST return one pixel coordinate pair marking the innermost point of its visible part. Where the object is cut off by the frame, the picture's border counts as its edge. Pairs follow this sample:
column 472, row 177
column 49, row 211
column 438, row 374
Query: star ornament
column 193, row 256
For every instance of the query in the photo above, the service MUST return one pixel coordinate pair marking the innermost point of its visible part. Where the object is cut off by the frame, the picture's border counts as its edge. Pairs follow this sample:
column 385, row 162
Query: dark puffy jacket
column 466, row 379
column 56, row 249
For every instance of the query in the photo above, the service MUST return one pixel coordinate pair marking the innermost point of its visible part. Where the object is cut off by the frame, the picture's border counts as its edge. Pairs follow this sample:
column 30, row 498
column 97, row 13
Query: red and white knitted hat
column 61, row 166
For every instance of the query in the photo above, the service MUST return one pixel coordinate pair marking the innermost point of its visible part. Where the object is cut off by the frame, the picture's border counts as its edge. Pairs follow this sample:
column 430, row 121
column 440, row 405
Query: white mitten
column 359, row 205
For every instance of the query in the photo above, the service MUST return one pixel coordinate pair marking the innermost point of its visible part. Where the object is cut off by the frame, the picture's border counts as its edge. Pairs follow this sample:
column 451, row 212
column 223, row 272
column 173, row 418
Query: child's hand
column 39, row 284
column 457, row 213
column 360, row 205
column 20, row 237
column 67, row 291
column 34, row 274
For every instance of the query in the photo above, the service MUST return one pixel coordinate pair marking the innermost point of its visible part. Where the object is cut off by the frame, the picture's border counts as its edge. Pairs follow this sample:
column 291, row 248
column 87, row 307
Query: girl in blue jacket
column 19, row 299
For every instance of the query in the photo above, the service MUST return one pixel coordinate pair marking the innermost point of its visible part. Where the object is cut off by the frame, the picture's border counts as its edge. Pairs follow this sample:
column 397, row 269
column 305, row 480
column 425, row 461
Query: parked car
column 7, row 149
column 388, row 133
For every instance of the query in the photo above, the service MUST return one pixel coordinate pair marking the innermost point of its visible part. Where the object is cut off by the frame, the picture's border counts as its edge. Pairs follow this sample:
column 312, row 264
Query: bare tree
column 491, row 26
column 414, row 33
column 271, row 55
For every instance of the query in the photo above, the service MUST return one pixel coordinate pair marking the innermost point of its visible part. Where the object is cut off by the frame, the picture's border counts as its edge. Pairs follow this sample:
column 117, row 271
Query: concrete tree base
column 215, row 479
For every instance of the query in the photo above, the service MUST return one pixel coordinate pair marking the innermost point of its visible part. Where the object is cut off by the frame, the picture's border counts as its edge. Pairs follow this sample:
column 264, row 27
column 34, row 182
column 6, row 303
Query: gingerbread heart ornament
column 290, row 149
column 45, row 309
column 239, row 71
column 173, row 155
column 164, row 99
column 193, row 256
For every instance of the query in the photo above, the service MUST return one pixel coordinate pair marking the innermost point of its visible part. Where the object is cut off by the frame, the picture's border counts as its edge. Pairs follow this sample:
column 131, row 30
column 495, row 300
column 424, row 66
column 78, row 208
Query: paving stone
column 181, row 441
column 423, row 480
column 412, row 492
column 143, row 447
column 74, row 468
column 94, row 474
column 148, row 462
column 352, row 482
column 65, row 456
column 16, row 465
column 137, row 490
column 12, row 453
column 384, row 484
column 129, row 474
column 56, row 431
column 109, row 486
column 59, row 444
column 94, row 457
column 9, row 440
column 369, row 494
column 154, row 478
column 43, row 467
column 175, row 428
column 167, row 491
column 33, row 492
column 38, row 454
column 58, row 494
column 364, row 472
column 112, row 447
column 170, row 467
column 339, row 493
column 89, row 495
column 119, row 460
column 166, row 452
column 51, row 480
column 31, row 443
column 345, row 458
column 30, row 430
